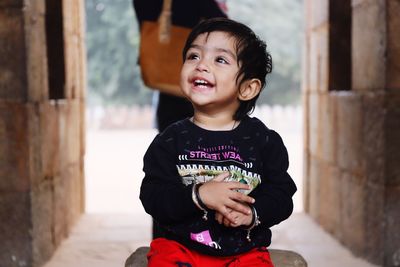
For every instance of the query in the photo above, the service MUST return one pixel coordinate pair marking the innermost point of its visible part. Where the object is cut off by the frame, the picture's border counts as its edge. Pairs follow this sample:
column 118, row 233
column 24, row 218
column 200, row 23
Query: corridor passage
column 115, row 223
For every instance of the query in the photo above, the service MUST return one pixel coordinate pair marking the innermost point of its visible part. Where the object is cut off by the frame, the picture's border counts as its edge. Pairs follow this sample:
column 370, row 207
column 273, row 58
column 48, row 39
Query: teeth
column 200, row 82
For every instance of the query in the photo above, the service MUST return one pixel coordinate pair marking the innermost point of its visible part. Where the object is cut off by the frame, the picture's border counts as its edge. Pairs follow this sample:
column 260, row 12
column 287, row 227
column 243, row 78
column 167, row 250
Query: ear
column 249, row 89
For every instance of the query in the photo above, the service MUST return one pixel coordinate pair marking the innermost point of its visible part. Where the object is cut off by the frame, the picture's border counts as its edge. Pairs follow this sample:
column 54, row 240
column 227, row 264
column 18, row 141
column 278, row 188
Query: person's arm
column 162, row 192
column 274, row 195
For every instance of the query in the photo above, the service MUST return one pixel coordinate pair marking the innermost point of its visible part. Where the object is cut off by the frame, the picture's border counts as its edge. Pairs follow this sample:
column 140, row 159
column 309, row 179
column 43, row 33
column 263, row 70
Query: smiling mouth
column 203, row 84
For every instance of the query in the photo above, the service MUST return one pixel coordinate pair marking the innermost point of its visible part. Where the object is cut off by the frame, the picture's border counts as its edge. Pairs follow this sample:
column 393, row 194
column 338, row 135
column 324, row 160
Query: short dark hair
column 252, row 56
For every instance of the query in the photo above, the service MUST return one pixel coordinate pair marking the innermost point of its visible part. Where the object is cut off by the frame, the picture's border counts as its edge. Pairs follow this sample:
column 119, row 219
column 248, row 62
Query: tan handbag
column 160, row 55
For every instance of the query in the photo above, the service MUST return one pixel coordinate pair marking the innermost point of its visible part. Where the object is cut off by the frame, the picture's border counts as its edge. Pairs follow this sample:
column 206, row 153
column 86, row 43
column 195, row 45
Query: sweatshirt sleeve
column 162, row 192
column 274, row 195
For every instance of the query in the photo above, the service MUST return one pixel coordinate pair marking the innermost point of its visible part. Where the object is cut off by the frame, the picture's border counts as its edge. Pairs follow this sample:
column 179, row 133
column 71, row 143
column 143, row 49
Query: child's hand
column 240, row 219
column 222, row 197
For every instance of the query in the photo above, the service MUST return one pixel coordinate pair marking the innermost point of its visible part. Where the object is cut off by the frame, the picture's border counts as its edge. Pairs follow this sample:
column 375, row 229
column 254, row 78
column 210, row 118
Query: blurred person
column 186, row 14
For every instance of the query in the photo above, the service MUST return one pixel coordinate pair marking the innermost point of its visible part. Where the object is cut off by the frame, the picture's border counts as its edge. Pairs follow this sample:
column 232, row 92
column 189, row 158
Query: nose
column 202, row 66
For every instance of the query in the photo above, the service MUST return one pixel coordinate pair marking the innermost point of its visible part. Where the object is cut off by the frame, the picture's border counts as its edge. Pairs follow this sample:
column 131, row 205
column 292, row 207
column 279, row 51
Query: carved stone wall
column 41, row 136
column 352, row 134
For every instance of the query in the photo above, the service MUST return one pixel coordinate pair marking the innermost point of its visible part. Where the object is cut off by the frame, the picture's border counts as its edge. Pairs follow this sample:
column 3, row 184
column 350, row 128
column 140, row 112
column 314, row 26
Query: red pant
column 168, row 253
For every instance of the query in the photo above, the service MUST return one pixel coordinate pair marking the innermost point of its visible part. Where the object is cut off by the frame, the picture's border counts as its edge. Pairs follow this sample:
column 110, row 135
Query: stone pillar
column 376, row 76
column 41, row 139
column 352, row 134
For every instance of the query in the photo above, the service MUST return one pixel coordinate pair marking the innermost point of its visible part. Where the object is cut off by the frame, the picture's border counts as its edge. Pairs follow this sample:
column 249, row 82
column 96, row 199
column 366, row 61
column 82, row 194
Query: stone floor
column 115, row 223
column 106, row 240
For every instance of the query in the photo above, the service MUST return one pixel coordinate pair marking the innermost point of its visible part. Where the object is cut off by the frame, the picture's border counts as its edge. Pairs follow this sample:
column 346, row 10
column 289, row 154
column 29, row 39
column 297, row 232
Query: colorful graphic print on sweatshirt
column 205, row 163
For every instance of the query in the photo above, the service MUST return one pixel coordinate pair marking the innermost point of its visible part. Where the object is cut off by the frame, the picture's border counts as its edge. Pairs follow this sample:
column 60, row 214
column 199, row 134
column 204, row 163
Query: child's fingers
column 219, row 217
column 229, row 219
column 240, row 197
column 221, row 177
column 236, row 206
column 225, row 212
column 224, row 220
column 218, row 196
column 237, row 186
column 227, row 222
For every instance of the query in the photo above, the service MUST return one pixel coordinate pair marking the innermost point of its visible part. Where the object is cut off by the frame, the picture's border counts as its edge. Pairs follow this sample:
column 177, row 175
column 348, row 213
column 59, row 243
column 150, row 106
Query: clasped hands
column 232, row 207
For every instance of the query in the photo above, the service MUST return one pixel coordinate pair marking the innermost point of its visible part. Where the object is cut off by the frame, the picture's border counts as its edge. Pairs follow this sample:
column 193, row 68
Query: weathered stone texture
column 74, row 44
column 11, row 4
column 31, row 159
column 81, row 48
column 353, row 212
column 76, row 194
column 41, row 153
column 42, row 222
column 374, row 206
column 82, row 127
column 36, row 7
column 67, row 197
column 14, row 150
column 49, row 140
column 314, row 177
column 318, row 60
column 373, row 135
column 13, row 78
column 36, row 55
column 61, row 196
column 349, row 131
column 34, row 145
column 306, row 152
column 69, row 132
column 330, row 202
column 352, row 139
column 392, row 130
column 392, row 233
column 16, row 240
column 328, row 130
column 393, row 53
column 71, row 61
column 368, row 45
column 314, row 122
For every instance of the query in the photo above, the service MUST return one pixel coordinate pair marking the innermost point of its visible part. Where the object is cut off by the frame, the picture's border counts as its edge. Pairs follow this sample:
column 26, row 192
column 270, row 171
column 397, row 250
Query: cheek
column 183, row 76
column 184, row 70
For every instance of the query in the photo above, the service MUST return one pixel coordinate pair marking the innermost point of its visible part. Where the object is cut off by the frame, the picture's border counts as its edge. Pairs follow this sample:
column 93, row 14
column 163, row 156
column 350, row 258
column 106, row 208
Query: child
column 216, row 182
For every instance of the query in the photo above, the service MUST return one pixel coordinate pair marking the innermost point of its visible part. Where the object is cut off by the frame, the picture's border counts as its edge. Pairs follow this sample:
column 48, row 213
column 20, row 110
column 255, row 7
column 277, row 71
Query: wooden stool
column 280, row 258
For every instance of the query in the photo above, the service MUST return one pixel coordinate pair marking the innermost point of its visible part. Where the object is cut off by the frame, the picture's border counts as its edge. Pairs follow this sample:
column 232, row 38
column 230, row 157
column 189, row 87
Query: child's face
column 208, row 76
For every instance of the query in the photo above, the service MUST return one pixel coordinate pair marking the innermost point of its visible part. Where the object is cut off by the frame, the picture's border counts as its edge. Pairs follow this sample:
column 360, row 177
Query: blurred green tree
column 112, row 47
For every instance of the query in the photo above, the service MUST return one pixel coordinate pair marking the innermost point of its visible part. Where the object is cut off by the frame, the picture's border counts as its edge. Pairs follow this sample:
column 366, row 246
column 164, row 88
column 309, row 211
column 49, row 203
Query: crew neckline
column 195, row 126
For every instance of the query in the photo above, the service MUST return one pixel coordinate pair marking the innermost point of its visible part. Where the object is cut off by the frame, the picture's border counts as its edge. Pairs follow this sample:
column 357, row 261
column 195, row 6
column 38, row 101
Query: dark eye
column 222, row 60
column 191, row 56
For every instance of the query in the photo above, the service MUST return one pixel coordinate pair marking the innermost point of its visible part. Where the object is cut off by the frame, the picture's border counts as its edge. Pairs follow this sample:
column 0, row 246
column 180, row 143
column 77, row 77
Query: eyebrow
column 229, row 52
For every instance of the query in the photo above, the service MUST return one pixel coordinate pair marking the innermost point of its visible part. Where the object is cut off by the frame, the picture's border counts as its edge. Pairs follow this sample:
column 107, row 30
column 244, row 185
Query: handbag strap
column 165, row 22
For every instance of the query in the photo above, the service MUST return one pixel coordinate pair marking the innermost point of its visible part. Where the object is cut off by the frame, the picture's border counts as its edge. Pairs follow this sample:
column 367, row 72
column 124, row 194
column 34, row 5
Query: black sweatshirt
column 184, row 152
